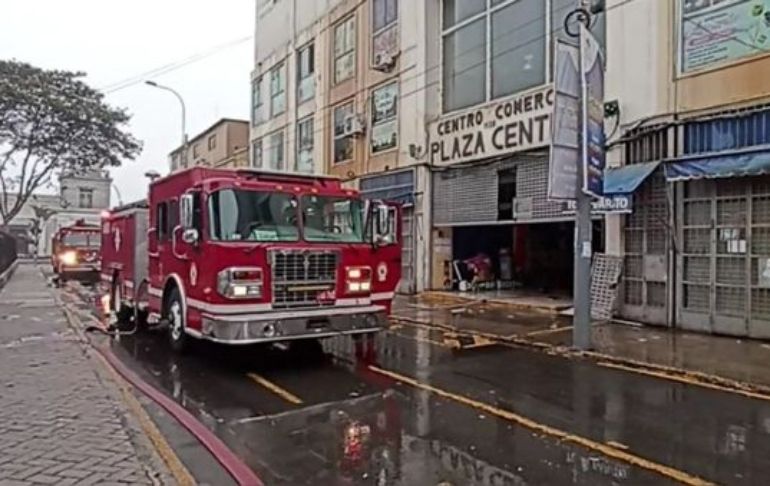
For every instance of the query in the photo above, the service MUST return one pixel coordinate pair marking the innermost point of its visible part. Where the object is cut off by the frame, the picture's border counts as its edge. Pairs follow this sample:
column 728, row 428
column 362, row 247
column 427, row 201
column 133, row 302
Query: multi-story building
column 223, row 144
column 690, row 77
column 339, row 87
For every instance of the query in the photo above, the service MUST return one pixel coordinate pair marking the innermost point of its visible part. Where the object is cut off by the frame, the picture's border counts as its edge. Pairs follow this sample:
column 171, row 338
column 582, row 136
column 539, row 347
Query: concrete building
column 223, row 144
column 695, row 107
column 343, row 91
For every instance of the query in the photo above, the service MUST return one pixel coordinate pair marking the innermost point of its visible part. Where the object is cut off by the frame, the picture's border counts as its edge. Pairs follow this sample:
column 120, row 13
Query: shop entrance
column 536, row 258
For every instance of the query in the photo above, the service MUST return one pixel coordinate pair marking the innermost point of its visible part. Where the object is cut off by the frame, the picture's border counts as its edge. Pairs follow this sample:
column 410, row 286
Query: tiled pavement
column 61, row 421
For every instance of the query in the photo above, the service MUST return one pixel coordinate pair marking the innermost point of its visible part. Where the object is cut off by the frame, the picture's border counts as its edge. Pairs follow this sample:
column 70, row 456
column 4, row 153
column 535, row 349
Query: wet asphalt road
column 412, row 408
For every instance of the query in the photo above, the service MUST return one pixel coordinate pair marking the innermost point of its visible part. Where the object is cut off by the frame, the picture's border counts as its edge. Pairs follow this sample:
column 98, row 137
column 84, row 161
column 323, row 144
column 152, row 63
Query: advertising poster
column 718, row 31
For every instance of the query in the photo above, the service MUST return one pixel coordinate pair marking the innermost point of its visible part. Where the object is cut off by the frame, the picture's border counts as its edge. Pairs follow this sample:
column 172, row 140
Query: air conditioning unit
column 354, row 125
column 384, row 61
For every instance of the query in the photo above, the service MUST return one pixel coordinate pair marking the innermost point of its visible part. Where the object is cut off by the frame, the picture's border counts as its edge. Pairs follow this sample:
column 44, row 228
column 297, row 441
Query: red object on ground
column 240, row 472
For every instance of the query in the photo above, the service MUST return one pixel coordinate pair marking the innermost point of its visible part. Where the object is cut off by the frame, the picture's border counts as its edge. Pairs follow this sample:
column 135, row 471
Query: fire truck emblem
column 193, row 274
column 382, row 271
column 116, row 239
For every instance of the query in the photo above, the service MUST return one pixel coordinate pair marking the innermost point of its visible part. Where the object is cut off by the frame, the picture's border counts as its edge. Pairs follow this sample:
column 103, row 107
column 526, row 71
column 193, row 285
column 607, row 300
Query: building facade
column 342, row 91
column 695, row 109
column 223, row 144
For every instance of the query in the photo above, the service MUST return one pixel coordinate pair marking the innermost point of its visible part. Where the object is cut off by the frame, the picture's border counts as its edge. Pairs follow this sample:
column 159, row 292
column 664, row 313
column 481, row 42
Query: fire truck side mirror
column 383, row 220
column 186, row 211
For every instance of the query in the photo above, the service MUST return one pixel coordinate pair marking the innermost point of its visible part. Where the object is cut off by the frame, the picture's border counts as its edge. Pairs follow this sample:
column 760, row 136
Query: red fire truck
column 242, row 257
column 75, row 252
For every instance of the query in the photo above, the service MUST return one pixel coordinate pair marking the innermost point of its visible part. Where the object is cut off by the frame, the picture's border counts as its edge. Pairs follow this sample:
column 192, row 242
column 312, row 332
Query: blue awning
column 626, row 179
column 746, row 164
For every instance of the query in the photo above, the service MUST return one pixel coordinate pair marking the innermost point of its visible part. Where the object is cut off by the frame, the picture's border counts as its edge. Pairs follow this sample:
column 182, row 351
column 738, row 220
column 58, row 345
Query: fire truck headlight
column 366, row 286
column 354, row 273
column 354, row 287
column 68, row 258
column 240, row 283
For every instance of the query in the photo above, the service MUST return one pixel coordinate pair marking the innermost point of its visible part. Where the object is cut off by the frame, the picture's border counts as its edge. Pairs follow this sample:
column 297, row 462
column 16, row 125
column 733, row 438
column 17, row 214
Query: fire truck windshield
column 244, row 215
column 330, row 218
column 82, row 239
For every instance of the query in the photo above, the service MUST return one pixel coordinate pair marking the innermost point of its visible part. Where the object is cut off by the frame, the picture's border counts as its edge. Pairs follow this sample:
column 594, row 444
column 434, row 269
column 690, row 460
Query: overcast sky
column 115, row 40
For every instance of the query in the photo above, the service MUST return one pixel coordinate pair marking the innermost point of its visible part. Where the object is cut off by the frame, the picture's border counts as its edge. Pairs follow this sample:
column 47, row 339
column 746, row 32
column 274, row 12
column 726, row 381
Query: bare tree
column 51, row 121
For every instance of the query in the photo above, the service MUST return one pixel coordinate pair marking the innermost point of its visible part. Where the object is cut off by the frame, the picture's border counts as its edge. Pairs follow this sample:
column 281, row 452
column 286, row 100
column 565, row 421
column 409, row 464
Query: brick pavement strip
column 62, row 419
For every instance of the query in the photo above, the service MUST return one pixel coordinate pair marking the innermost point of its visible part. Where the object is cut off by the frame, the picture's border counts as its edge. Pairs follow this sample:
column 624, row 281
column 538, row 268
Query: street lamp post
column 184, row 116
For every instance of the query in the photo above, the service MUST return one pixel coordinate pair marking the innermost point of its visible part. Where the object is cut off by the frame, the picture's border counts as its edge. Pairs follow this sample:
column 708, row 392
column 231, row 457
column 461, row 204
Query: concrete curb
column 693, row 377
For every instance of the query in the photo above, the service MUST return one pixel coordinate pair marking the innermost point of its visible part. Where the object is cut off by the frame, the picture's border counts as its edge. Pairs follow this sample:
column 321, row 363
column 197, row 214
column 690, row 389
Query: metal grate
column 697, row 269
column 760, row 304
column 303, row 278
column 731, row 270
column 731, row 301
column 656, row 294
column 696, row 298
column 605, row 276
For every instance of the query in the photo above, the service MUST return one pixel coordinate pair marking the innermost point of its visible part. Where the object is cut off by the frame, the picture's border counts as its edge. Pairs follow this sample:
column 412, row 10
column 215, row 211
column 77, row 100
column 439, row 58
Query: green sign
column 719, row 31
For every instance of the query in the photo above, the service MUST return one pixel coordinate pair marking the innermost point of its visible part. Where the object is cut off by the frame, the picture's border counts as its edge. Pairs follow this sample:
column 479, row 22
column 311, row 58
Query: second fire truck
column 240, row 257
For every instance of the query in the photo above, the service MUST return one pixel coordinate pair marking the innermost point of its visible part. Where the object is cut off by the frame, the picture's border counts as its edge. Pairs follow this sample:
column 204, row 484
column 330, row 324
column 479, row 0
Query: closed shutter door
column 469, row 194
column 726, row 250
column 407, row 283
column 645, row 269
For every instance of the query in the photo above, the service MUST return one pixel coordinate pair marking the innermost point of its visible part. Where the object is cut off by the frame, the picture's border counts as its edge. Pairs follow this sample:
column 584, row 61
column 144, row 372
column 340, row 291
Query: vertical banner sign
column 593, row 113
column 565, row 148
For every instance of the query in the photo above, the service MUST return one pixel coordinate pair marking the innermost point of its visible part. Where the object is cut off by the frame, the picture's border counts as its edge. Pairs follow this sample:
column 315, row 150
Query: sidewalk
column 62, row 419
column 744, row 361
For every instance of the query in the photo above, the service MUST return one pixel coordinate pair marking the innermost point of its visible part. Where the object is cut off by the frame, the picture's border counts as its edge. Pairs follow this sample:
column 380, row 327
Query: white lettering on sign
column 509, row 125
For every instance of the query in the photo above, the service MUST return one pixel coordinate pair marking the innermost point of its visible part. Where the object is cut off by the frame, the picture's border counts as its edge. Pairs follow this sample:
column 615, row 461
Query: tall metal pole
column 581, row 323
column 184, row 116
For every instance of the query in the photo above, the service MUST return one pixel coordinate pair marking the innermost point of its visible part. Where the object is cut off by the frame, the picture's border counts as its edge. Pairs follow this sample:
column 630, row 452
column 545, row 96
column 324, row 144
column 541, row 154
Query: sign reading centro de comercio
column 515, row 124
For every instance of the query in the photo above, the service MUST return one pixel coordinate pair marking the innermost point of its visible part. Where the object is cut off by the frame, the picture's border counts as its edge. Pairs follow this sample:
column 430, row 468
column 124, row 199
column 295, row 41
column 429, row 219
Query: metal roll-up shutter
column 468, row 194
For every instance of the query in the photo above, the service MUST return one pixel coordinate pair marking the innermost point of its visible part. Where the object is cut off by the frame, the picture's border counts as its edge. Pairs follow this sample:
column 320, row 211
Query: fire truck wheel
column 175, row 316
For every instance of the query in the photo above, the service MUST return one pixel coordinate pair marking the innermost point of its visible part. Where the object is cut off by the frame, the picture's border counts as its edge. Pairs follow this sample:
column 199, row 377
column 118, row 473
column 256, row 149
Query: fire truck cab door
column 386, row 261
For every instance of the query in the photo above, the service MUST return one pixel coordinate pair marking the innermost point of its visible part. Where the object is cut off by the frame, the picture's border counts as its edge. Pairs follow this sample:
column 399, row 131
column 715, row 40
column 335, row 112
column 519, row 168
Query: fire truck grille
column 303, row 278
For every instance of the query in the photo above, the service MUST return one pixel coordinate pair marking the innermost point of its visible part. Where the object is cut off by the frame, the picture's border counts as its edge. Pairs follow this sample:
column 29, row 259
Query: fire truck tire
column 175, row 316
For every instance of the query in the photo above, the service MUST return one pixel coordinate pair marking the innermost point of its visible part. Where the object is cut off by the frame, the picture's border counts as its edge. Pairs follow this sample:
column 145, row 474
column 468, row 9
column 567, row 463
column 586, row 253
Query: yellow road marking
column 617, row 445
column 286, row 395
column 604, row 449
column 544, row 332
column 687, row 380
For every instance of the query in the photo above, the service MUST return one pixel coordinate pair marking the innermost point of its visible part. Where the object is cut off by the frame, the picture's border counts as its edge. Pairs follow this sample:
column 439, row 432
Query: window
column 384, row 133
column 257, row 104
column 277, row 90
column 482, row 63
column 212, row 142
column 343, row 142
column 196, row 151
column 161, row 221
column 329, row 218
column 305, row 145
column 275, row 151
column 241, row 215
column 344, row 50
column 384, row 22
column 85, row 198
column 256, row 154
column 305, row 70
column 89, row 239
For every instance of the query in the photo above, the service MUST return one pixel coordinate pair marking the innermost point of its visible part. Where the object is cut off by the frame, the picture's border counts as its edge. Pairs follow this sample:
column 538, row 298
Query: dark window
column 213, row 142
column 506, row 192
column 173, row 216
column 161, row 221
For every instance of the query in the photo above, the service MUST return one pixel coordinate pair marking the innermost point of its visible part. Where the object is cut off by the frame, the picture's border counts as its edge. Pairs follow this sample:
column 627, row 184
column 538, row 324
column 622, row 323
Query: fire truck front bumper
column 279, row 326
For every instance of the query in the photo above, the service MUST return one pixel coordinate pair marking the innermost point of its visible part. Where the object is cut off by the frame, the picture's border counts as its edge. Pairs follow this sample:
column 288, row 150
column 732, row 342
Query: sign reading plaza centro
column 515, row 124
